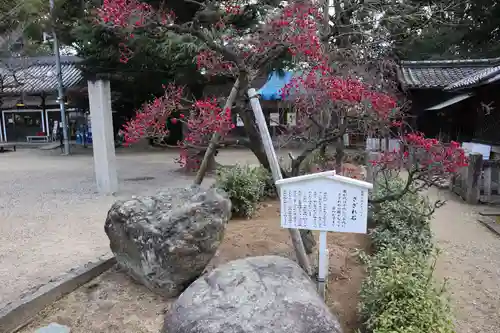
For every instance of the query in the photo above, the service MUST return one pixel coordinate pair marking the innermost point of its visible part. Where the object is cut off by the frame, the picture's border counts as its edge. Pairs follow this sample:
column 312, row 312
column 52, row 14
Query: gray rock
column 266, row 294
column 54, row 328
column 165, row 241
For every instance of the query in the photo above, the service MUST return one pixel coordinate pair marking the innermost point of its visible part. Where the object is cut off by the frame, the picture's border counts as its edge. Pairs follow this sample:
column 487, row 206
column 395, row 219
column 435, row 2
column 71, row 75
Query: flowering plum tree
column 327, row 103
column 353, row 108
column 290, row 34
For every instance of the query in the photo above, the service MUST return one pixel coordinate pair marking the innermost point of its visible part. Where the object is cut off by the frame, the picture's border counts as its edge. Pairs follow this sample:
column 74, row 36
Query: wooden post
column 487, row 183
column 323, row 264
column 276, row 172
column 472, row 186
column 214, row 140
column 371, row 170
column 451, row 185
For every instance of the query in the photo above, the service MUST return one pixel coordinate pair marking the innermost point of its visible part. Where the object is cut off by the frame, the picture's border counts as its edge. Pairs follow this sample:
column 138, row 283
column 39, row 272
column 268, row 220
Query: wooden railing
column 479, row 182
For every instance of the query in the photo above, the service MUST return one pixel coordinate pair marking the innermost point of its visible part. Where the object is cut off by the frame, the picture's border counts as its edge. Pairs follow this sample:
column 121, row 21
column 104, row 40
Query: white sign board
column 274, row 119
column 54, row 129
column 377, row 144
column 346, row 139
column 239, row 121
column 470, row 147
column 324, row 202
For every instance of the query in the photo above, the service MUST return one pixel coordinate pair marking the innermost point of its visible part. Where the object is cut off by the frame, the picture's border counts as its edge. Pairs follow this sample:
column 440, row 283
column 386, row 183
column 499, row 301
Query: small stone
column 54, row 328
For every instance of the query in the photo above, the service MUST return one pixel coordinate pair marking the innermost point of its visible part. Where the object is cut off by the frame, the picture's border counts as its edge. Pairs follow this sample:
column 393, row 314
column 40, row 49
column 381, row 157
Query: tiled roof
column 448, row 74
column 37, row 75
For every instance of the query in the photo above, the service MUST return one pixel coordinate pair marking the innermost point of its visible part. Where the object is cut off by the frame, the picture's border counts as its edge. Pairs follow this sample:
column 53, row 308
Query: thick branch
column 226, row 53
column 215, row 137
column 397, row 196
column 298, row 161
column 202, row 5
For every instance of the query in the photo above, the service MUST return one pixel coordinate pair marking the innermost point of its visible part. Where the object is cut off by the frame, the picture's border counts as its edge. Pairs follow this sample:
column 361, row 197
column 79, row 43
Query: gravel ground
column 470, row 260
column 52, row 219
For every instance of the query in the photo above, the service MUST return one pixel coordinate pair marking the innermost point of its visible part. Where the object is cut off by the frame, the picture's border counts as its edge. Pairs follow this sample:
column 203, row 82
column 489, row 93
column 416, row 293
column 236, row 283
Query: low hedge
column 399, row 294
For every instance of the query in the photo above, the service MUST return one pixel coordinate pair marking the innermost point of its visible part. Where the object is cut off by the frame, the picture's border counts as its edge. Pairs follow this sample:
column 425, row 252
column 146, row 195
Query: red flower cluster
column 433, row 155
column 232, row 9
column 317, row 90
column 129, row 15
column 430, row 155
column 125, row 13
column 205, row 118
column 298, row 27
column 213, row 63
column 150, row 121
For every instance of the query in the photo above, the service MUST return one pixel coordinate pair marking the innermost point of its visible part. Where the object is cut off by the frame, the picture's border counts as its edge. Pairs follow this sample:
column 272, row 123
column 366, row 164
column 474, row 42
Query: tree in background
column 21, row 28
column 287, row 37
column 362, row 39
column 141, row 78
column 461, row 29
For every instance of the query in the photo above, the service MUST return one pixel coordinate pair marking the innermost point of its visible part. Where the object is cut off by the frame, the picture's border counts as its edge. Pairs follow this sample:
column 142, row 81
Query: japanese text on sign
column 325, row 205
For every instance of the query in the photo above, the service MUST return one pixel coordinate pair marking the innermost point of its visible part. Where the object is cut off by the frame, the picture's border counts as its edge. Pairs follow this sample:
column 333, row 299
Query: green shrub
column 400, row 235
column 402, row 222
column 245, row 185
column 399, row 295
column 412, row 207
column 267, row 179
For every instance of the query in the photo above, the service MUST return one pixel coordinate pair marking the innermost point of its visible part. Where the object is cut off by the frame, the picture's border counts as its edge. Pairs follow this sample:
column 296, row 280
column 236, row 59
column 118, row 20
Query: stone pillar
column 102, row 136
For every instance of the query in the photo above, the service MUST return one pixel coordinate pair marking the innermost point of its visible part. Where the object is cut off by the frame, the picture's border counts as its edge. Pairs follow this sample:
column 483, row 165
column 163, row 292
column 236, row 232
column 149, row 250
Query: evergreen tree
column 462, row 29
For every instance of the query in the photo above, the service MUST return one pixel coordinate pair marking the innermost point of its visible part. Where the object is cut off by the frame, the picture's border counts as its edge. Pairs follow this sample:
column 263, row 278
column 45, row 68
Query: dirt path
column 470, row 259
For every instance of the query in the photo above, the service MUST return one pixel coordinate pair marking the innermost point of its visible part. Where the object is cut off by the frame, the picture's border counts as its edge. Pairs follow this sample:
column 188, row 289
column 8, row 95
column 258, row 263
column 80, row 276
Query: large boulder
column 266, row 294
column 166, row 241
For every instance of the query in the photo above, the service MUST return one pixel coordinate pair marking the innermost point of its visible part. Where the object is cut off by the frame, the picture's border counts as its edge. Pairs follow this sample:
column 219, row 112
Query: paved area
column 470, row 260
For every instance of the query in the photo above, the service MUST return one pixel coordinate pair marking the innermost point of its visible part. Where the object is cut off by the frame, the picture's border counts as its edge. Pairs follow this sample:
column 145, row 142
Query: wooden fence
column 479, row 182
column 384, row 144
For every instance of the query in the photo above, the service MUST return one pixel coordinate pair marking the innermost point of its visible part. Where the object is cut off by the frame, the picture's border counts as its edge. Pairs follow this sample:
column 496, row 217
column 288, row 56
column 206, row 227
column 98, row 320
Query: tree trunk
column 209, row 158
column 257, row 148
column 194, row 161
column 339, row 155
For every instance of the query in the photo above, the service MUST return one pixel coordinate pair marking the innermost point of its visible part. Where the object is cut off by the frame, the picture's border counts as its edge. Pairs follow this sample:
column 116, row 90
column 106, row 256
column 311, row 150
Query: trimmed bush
column 402, row 222
column 246, row 187
column 399, row 294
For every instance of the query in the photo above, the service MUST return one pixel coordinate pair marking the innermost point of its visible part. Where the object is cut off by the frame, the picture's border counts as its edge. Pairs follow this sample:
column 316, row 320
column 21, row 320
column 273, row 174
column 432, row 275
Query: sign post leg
column 322, row 264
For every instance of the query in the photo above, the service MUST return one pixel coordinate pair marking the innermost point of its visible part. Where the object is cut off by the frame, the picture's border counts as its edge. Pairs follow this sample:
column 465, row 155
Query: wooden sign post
column 324, row 202
column 276, row 173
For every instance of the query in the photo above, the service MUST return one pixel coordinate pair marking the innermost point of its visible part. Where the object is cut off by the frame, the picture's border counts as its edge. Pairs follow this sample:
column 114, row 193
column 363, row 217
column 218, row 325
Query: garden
column 216, row 259
column 380, row 282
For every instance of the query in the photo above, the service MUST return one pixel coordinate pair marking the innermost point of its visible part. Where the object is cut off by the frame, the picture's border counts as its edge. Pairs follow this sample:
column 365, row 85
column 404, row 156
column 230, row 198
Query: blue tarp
column 271, row 90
